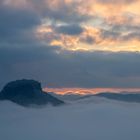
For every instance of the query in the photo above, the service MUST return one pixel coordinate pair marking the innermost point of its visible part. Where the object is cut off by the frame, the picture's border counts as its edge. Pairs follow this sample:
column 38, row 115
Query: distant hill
column 129, row 97
column 125, row 97
column 27, row 92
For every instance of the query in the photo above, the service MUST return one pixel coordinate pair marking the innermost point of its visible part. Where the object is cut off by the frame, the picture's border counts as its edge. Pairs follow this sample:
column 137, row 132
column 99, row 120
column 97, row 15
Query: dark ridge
column 121, row 97
column 26, row 93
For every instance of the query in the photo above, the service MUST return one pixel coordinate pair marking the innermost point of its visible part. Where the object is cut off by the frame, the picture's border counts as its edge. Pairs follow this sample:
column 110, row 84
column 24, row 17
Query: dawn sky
column 71, row 43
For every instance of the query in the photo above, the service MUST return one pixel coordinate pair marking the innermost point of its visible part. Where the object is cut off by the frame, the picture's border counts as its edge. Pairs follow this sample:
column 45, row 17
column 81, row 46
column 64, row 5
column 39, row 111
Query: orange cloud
column 99, row 33
column 96, row 40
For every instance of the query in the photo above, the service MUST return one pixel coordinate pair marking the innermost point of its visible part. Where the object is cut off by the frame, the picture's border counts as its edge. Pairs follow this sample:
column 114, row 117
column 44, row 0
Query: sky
column 71, row 43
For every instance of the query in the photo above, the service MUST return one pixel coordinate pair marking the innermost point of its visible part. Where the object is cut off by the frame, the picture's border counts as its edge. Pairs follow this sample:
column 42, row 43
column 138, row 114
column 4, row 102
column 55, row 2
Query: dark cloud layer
column 17, row 25
column 70, row 69
column 88, row 39
column 70, row 29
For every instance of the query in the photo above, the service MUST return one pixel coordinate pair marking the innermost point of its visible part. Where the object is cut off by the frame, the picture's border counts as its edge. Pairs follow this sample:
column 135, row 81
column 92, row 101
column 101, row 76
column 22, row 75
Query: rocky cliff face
column 27, row 92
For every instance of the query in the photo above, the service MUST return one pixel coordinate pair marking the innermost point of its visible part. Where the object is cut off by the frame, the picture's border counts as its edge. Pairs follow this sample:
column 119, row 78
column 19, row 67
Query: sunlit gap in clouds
column 98, row 28
column 85, row 91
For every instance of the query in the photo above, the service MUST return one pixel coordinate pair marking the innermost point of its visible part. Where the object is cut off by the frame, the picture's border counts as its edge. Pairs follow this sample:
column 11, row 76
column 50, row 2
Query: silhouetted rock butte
column 27, row 92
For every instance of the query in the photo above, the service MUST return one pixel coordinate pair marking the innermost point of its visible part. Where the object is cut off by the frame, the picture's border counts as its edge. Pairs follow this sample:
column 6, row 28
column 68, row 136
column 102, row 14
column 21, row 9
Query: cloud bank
column 88, row 119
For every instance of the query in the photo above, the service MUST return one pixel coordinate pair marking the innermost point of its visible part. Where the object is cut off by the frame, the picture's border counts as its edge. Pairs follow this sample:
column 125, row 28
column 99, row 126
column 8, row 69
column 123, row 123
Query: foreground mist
column 87, row 119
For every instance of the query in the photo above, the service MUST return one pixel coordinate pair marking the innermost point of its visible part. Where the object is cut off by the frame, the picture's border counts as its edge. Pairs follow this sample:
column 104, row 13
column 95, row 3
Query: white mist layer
column 97, row 120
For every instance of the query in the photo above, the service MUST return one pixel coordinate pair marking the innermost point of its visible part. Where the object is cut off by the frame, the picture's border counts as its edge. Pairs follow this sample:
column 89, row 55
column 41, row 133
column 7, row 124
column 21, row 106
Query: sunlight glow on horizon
column 85, row 91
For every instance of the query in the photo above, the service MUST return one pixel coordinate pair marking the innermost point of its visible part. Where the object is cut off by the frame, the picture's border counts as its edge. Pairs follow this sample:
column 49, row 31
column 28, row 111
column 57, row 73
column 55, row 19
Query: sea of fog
column 87, row 119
